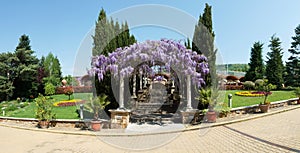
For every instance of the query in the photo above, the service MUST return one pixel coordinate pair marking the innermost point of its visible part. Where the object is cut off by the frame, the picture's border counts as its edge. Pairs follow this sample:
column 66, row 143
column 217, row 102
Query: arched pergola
column 123, row 62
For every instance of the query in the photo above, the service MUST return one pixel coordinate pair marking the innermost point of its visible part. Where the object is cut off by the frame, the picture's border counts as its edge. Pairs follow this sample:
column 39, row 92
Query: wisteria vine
column 124, row 61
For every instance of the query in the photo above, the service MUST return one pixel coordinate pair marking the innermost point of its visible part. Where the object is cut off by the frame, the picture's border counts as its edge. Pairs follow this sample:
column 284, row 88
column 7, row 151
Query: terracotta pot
column 211, row 116
column 264, row 108
column 43, row 124
column 96, row 125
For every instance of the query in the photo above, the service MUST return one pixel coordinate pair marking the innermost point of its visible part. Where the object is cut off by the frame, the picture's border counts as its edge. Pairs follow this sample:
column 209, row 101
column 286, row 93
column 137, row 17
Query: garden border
column 188, row 127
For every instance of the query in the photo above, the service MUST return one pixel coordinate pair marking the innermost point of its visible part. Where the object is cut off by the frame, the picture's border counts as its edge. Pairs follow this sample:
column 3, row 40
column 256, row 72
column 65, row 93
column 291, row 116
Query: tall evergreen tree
column 109, row 36
column 203, row 42
column 25, row 73
column 187, row 44
column 6, row 84
column 24, row 43
column 256, row 66
column 41, row 76
column 274, row 66
column 292, row 77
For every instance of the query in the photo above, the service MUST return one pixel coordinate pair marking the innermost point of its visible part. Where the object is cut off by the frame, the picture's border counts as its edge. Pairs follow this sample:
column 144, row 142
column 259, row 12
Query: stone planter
column 264, row 108
column 96, row 125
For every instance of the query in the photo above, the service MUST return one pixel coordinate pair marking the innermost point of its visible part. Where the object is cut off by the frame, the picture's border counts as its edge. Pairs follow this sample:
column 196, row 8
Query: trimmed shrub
column 249, row 85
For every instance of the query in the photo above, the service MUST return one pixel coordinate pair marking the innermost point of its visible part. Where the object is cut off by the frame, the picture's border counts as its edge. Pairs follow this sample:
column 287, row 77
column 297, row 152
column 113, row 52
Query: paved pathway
column 276, row 133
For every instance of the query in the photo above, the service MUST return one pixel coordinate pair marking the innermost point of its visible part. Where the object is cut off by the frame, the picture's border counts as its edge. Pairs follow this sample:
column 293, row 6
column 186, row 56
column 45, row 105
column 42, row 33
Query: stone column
column 188, row 93
column 134, row 86
column 141, row 82
column 121, row 94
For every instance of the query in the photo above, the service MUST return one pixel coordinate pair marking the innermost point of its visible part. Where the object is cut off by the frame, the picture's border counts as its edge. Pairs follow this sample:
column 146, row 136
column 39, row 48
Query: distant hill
column 233, row 67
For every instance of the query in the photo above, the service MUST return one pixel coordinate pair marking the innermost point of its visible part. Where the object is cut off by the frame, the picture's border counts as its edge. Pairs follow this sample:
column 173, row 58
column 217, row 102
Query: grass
column 70, row 112
column 61, row 112
column 238, row 101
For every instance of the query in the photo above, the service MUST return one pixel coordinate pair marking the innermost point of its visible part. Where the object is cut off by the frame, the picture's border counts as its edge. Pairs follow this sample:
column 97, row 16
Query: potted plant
column 297, row 93
column 96, row 105
column 223, row 109
column 264, row 107
column 43, row 111
column 209, row 96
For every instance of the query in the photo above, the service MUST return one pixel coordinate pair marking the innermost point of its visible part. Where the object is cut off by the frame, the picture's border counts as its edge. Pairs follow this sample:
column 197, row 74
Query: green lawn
column 61, row 112
column 238, row 101
column 70, row 112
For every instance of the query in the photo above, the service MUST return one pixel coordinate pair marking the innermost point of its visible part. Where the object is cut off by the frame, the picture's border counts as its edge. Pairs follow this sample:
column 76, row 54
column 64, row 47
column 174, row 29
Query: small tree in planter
column 96, row 105
column 266, row 88
column 297, row 93
column 43, row 111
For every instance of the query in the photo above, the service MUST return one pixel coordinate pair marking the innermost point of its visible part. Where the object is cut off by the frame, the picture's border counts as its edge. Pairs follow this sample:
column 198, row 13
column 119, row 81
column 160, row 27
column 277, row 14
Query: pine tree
column 6, row 84
column 25, row 69
column 274, row 66
column 24, row 43
column 256, row 67
column 292, row 77
column 203, row 43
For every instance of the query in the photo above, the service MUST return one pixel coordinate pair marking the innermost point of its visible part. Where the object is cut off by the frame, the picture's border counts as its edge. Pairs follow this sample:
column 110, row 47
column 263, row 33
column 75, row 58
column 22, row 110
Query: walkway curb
column 188, row 128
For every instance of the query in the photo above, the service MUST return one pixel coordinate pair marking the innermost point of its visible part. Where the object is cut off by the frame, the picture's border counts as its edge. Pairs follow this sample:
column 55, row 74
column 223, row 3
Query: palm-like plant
column 208, row 96
column 96, row 104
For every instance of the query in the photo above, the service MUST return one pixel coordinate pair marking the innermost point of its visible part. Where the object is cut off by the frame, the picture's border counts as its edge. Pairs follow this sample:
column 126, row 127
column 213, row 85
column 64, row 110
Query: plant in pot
column 43, row 111
column 266, row 89
column 223, row 109
column 209, row 96
column 96, row 105
column 297, row 93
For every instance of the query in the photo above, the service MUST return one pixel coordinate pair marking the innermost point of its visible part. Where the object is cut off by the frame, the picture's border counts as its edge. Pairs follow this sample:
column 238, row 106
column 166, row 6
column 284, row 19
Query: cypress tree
column 292, row 77
column 203, row 43
column 274, row 66
column 256, row 66
column 109, row 36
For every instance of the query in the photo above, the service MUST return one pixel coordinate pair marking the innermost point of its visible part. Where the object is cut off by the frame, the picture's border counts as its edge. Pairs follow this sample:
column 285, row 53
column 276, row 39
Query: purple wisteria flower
column 140, row 57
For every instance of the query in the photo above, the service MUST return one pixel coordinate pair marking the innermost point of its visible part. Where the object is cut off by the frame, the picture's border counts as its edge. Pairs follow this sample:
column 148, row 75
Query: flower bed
column 251, row 93
column 66, row 103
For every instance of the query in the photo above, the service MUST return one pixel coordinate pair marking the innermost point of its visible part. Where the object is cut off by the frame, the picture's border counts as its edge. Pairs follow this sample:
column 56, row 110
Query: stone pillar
column 121, row 94
column 145, row 82
column 141, row 81
column 134, row 86
column 188, row 93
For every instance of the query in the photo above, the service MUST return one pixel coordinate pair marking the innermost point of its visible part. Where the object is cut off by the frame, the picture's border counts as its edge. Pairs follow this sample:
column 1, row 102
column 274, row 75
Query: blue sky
column 61, row 26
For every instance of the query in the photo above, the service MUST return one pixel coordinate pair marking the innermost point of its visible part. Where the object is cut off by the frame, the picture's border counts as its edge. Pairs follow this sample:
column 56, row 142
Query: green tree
column 52, row 70
column 49, row 89
column 256, row 67
column 203, row 43
column 274, row 66
column 6, row 84
column 292, row 77
column 71, row 81
column 25, row 66
column 109, row 36
column 24, row 43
